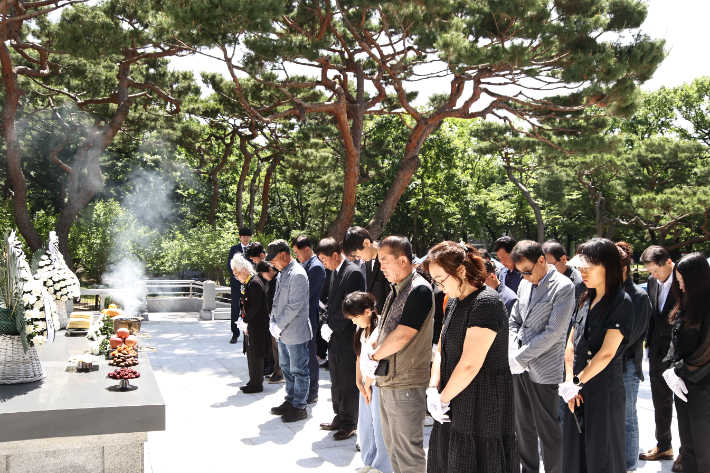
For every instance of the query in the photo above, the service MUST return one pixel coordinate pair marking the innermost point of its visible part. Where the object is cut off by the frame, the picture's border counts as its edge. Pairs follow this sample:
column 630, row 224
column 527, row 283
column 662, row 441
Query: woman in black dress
column 594, row 386
column 255, row 315
column 471, row 389
column 688, row 374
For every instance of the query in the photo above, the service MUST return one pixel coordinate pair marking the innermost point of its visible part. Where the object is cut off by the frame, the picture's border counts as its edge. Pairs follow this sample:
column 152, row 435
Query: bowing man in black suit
column 346, row 278
column 660, row 331
column 359, row 243
column 242, row 247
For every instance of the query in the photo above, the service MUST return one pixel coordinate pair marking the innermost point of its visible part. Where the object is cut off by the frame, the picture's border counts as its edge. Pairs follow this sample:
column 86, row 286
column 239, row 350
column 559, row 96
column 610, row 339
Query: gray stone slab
column 76, row 404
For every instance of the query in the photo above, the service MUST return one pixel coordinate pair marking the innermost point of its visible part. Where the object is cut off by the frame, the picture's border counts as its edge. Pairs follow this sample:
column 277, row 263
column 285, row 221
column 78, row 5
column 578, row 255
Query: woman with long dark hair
column 594, row 434
column 359, row 307
column 689, row 360
column 471, row 390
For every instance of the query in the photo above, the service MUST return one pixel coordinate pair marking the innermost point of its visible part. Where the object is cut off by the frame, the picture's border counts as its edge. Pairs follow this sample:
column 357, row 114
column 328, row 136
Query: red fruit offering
column 115, row 341
column 123, row 333
column 131, row 341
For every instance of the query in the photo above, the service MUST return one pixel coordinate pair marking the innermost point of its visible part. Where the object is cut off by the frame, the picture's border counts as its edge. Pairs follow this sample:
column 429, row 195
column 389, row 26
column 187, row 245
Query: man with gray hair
column 290, row 325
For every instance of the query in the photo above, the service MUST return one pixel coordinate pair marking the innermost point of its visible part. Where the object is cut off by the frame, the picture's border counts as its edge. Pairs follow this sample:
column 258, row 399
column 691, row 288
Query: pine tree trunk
column 352, row 140
column 215, row 199
column 534, row 205
column 406, row 170
column 265, row 195
column 13, row 92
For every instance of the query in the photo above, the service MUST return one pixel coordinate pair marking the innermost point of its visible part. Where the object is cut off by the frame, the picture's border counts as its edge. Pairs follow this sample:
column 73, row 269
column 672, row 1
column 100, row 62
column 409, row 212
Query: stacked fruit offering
column 125, row 373
column 124, row 353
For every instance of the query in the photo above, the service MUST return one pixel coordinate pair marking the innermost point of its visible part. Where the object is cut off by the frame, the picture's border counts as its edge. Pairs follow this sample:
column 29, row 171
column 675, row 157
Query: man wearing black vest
column 659, row 264
column 242, row 247
column 346, row 278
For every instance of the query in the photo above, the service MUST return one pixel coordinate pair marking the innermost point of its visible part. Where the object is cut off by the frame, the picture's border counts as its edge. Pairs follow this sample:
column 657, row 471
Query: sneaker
column 276, row 380
column 295, row 415
column 282, row 409
column 364, row 469
column 312, row 401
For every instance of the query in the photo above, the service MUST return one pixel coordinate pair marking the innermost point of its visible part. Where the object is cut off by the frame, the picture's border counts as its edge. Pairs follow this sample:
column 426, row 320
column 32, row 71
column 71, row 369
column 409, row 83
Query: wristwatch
column 577, row 382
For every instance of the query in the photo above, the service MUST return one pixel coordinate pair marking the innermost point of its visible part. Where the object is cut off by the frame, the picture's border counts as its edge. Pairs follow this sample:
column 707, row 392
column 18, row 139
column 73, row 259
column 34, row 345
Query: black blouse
column 593, row 324
column 690, row 351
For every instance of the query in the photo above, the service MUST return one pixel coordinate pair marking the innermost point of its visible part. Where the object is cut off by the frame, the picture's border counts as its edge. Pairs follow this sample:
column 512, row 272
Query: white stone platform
column 211, row 426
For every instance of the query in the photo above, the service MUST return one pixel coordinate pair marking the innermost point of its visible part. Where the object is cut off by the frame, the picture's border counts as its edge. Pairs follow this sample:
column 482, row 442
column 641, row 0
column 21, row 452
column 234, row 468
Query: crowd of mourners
column 533, row 354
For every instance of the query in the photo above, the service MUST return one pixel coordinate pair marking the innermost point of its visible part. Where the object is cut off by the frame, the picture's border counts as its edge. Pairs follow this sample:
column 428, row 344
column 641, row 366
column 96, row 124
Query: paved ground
column 213, row 427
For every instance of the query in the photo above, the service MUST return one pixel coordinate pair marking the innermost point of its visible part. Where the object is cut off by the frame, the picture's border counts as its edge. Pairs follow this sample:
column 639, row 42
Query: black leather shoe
column 295, row 415
column 242, row 388
column 235, row 339
column 282, row 409
column 252, row 389
column 678, row 464
column 344, row 434
column 330, row 426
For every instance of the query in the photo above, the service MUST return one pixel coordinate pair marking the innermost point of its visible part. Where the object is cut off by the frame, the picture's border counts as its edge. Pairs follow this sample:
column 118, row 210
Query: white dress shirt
column 665, row 289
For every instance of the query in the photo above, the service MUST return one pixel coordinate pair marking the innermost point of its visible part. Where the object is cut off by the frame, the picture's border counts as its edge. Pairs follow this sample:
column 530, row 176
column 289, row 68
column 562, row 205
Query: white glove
column 676, row 383
column 368, row 366
column 241, row 325
column 275, row 330
column 568, row 390
column 326, row 332
column 436, row 408
column 515, row 367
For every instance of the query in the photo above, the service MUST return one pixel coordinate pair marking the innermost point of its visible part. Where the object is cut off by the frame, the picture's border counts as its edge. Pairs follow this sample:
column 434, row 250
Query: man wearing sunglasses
column 538, row 329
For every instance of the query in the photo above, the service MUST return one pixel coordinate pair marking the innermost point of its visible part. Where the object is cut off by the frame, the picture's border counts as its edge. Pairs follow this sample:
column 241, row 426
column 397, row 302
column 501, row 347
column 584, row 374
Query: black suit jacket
column 345, row 281
column 377, row 284
column 660, row 331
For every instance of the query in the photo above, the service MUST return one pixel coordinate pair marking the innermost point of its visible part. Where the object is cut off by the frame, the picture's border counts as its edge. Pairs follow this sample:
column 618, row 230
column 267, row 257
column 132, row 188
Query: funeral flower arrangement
column 28, row 309
column 55, row 276
column 39, row 306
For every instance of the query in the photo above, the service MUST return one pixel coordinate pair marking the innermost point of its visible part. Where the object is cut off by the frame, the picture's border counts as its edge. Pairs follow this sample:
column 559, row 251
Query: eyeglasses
column 441, row 284
column 529, row 273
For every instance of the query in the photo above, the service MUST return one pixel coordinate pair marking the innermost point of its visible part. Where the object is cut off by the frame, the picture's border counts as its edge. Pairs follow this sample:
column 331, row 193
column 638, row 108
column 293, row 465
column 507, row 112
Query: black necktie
column 333, row 275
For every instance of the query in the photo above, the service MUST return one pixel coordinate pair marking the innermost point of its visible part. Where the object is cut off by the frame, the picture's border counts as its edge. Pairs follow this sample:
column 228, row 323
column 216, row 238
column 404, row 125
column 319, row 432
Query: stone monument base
column 110, row 453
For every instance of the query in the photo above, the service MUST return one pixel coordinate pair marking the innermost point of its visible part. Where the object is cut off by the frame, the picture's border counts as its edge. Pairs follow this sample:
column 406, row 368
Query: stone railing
column 212, row 301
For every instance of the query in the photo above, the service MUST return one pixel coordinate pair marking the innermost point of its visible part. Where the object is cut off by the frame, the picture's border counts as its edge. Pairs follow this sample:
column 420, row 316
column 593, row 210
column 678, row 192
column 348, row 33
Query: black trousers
column 537, row 415
column 346, row 396
column 694, row 428
column 313, row 367
column 256, row 370
column 662, row 397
